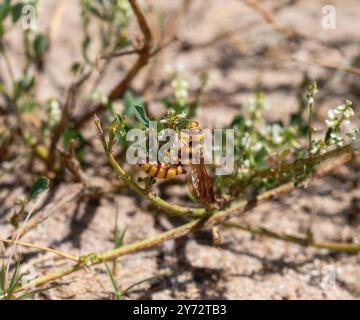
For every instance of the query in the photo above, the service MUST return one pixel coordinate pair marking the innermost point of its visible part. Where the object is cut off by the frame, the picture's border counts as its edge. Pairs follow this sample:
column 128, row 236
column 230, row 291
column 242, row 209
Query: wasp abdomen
column 162, row 171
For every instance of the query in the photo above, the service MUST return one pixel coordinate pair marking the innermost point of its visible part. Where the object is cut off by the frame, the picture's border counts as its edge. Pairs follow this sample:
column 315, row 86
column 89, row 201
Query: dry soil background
column 246, row 52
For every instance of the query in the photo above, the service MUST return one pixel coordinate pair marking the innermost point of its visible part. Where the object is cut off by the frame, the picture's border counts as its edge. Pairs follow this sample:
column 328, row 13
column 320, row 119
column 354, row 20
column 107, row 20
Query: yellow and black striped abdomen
column 191, row 146
column 162, row 171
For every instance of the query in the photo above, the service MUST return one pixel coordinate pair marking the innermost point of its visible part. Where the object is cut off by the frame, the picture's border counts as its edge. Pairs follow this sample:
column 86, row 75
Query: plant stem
column 303, row 241
column 311, row 106
column 34, row 246
column 299, row 164
column 153, row 198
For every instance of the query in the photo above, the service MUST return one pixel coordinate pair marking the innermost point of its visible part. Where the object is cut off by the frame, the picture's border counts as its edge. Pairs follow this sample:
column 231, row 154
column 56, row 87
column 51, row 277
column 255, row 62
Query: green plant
column 50, row 138
column 122, row 294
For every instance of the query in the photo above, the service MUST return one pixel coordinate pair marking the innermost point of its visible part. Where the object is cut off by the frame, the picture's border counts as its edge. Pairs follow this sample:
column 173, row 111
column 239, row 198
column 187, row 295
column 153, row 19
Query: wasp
column 199, row 182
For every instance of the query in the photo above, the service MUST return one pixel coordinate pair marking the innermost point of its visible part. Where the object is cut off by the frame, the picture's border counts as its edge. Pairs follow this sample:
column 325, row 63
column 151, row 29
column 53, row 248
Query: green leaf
column 141, row 114
column 129, row 100
column 127, row 290
column 16, row 12
column 15, row 279
column 181, row 124
column 239, row 123
column 26, row 82
column 118, row 128
column 117, row 292
column 283, row 154
column 40, row 185
column 260, row 155
column 4, row 9
column 2, row 277
column 70, row 134
column 96, row 12
column 76, row 67
column 41, row 44
column 31, row 293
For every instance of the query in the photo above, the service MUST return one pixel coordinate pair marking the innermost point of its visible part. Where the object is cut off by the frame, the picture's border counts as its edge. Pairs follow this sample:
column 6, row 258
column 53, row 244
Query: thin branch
column 268, row 17
column 65, row 119
column 121, row 53
column 34, row 246
column 73, row 165
column 93, row 187
column 142, row 60
column 300, row 163
column 303, row 241
column 49, row 210
column 323, row 64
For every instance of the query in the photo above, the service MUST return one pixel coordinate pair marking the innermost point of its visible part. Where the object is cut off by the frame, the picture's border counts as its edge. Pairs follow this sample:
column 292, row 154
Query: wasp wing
column 201, row 184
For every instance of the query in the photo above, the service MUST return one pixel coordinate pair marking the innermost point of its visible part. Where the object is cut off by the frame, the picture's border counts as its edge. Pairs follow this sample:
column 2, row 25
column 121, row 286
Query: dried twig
column 64, row 120
column 324, row 64
column 142, row 60
column 268, row 17
column 41, row 248
column 50, row 210
column 73, row 165
column 65, row 117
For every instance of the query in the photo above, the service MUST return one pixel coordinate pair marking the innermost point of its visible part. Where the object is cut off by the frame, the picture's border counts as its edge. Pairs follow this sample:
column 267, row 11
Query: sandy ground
column 245, row 266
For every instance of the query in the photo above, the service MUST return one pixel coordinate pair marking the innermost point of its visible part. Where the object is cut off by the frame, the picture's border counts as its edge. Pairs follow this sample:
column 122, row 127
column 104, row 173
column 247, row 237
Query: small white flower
column 54, row 112
column 246, row 163
column 169, row 69
column 179, row 67
column 181, row 94
column 276, row 134
column 341, row 108
column 330, row 123
column 256, row 147
column 348, row 113
column 176, row 70
column 331, row 114
column 182, row 115
column 249, row 123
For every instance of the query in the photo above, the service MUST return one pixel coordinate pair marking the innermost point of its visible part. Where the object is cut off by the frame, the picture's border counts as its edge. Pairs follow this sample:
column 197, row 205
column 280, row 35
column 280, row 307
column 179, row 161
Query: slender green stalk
column 46, row 249
column 300, row 163
column 311, row 107
column 303, row 241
